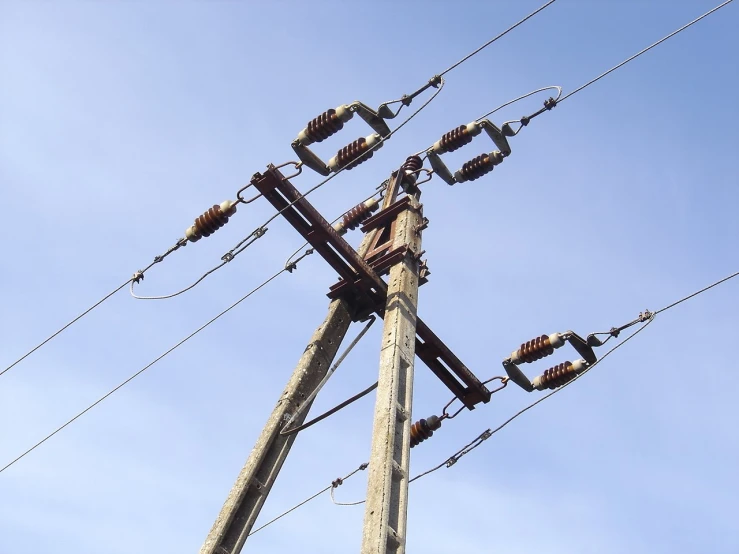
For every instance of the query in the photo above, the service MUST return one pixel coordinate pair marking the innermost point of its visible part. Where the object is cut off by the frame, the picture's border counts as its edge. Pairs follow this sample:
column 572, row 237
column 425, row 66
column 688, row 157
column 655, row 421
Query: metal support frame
column 387, row 491
column 360, row 292
column 364, row 288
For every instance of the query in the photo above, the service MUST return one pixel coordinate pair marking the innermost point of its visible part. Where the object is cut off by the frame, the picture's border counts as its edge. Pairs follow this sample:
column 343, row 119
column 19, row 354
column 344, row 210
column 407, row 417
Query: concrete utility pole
column 387, row 492
column 245, row 501
column 392, row 243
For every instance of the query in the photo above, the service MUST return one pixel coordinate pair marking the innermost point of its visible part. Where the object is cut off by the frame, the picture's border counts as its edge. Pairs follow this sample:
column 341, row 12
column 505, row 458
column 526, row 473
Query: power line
column 143, row 369
column 660, row 41
column 336, row 483
column 87, row 311
column 482, row 437
column 491, row 41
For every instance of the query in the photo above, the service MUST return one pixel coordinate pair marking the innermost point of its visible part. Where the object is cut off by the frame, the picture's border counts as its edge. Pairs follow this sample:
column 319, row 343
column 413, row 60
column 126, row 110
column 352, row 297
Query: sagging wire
column 143, row 369
column 487, row 433
column 405, row 100
column 334, row 484
column 463, row 135
column 262, row 229
column 286, row 429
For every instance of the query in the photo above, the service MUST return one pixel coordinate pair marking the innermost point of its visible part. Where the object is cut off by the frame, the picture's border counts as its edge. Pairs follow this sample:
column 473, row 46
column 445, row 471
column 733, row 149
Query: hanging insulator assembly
column 356, row 216
column 560, row 374
column 423, row 429
column 536, row 349
column 543, row 346
column 331, row 122
column 212, row 220
column 355, row 153
column 461, row 136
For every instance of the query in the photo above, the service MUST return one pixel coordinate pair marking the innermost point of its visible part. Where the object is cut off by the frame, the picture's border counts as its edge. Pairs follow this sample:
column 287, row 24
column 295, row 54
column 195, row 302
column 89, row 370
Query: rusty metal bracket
column 365, row 289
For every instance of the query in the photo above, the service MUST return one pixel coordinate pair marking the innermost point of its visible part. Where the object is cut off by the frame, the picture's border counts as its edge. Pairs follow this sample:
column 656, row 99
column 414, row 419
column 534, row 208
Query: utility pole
column 392, row 243
column 244, row 502
column 387, row 491
column 247, row 496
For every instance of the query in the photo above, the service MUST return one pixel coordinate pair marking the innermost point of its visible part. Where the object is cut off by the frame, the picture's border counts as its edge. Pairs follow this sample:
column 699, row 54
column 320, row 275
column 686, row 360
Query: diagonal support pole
column 387, row 492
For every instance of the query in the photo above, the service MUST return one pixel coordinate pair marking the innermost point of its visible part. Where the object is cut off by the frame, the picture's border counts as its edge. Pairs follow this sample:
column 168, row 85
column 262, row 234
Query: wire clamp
column 550, row 103
column 337, row 482
column 227, row 257
column 138, row 276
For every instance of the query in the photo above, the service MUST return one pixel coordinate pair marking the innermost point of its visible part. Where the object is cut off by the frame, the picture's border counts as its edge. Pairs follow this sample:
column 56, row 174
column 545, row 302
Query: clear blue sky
column 122, row 121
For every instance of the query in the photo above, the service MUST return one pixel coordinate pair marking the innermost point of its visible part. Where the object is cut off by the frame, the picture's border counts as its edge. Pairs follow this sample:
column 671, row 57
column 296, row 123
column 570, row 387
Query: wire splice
column 423, row 429
column 210, row 221
column 558, row 375
column 356, row 216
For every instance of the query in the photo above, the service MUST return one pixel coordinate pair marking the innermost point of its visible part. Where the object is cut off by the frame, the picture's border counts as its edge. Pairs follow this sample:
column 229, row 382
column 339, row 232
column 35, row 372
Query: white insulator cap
column 371, row 203
column 344, row 113
column 556, row 340
column 228, row 207
column 192, row 234
column 514, row 357
column 303, row 138
column 474, row 128
column 579, row 366
column 339, row 227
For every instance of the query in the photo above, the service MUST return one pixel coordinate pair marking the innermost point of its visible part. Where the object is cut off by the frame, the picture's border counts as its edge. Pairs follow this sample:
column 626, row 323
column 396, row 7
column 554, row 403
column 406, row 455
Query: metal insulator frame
column 331, row 122
column 543, row 346
column 461, row 136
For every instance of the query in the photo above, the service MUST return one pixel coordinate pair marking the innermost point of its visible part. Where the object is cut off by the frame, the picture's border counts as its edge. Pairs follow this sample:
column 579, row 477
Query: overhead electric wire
column 143, row 369
column 336, row 483
column 501, row 35
column 257, row 233
column 649, row 318
column 660, row 41
column 482, row 437
column 87, row 311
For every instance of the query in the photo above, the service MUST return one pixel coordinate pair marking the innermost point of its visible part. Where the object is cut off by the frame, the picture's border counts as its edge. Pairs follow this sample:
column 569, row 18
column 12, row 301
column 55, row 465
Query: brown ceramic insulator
column 348, row 157
column 412, row 164
column 477, row 167
column 211, row 221
column 358, row 215
column 558, row 375
column 456, row 138
column 321, row 127
column 423, row 429
column 535, row 349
